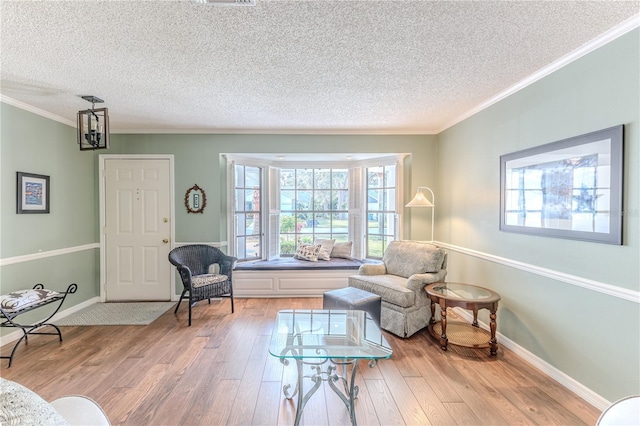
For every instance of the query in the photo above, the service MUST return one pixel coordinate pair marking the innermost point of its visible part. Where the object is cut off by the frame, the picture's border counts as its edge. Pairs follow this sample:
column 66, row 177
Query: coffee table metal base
column 326, row 370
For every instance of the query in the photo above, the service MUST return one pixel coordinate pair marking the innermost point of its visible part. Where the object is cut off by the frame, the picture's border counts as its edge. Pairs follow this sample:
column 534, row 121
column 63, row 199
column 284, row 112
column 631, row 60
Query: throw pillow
column 307, row 252
column 325, row 248
column 342, row 250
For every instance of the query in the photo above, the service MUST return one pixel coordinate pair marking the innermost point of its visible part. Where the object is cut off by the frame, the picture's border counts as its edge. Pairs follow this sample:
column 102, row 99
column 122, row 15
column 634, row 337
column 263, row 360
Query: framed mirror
column 566, row 189
column 195, row 199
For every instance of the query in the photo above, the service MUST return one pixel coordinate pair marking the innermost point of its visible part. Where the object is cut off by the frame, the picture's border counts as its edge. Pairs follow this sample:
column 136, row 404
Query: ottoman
column 353, row 298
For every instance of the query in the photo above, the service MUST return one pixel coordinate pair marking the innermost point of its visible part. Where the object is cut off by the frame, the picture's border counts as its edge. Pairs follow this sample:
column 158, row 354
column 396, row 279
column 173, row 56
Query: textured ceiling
column 286, row 65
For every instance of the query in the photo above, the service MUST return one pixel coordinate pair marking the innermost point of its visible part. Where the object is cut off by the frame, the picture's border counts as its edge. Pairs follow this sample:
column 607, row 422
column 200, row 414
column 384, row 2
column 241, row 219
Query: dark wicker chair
column 196, row 265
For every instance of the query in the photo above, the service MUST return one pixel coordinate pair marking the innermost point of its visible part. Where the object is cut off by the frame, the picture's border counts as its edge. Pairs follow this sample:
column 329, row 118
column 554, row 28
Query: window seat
column 289, row 263
column 289, row 277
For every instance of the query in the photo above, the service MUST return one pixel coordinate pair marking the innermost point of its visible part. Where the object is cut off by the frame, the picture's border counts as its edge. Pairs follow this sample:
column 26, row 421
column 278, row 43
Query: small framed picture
column 33, row 193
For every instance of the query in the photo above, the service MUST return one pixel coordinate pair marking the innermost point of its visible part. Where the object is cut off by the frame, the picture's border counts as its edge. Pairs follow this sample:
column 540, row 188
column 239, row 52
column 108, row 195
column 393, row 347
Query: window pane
column 287, row 178
column 252, row 177
column 241, row 247
column 340, row 200
column 246, row 204
column 322, row 200
column 374, row 177
column 240, row 226
column 248, row 200
column 375, row 246
column 340, row 223
column 390, row 176
column 239, row 172
column 287, row 244
column 287, row 200
column 390, row 199
column 322, row 179
column 374, row 199
column 381, row 209
column 253, row 248
column 239, row 200
column 340, row 179
column 319, row 206
column 304, row 200
column 304, row 178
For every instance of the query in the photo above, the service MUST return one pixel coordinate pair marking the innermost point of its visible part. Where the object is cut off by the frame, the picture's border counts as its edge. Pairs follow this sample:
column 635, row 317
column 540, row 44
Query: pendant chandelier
column 93, row 126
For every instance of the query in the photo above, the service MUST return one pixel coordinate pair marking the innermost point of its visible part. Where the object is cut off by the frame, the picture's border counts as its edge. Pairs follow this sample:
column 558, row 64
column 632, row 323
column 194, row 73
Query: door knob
column 165, row 241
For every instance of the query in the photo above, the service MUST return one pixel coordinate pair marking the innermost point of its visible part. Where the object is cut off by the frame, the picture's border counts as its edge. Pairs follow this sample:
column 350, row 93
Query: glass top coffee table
column 331, row 342
column 466, row 296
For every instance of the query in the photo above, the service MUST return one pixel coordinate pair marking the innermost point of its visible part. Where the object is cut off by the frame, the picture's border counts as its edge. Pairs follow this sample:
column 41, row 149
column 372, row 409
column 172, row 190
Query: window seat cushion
column 289, row 263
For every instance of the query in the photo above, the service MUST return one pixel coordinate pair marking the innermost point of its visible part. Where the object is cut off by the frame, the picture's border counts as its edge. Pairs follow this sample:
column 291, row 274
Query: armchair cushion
column 372, row 269
column 21, row 299
column 206, row 279
column 406, row 258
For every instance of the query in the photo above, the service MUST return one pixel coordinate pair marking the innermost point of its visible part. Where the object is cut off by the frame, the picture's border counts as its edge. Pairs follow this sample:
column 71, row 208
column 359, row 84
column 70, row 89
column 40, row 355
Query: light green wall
column 197, row 161
column 30, row 143
column 592, row 337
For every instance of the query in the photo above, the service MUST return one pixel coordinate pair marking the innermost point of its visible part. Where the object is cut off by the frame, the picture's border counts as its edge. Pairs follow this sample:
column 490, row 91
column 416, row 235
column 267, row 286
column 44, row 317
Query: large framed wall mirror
column 566, row 189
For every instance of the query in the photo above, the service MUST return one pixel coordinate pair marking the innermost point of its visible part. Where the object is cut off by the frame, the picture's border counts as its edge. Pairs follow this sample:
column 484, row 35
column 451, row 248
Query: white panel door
column 137, row 229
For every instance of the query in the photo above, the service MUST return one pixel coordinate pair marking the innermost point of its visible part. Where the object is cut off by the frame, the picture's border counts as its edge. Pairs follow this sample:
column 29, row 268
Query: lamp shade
column 420, row 200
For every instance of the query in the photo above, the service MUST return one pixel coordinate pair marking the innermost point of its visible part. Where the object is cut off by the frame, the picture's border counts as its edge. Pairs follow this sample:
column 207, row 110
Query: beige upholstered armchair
column 407, row 267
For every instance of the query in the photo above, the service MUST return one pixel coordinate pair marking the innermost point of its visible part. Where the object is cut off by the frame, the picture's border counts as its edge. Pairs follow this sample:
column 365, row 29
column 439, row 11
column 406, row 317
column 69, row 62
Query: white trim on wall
column 45, row 254
column 608, row 289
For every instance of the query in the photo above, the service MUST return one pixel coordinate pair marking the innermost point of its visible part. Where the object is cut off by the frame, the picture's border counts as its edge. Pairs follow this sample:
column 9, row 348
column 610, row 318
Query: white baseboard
column 12, row 337
column 568, row 382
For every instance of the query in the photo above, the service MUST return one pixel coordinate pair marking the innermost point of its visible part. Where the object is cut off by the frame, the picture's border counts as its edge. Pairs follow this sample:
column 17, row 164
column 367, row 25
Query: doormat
column 131, row 313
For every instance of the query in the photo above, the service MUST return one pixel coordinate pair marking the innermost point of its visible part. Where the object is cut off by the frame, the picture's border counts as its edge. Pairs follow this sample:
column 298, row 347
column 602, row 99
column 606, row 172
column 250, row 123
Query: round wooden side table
column 466, row 296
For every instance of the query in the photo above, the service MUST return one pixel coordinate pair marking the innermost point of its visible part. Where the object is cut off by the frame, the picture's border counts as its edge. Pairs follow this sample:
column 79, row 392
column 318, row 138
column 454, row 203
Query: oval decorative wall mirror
column 195, row 199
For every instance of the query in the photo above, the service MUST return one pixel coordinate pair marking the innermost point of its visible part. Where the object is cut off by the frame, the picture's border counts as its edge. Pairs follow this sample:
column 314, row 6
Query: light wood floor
column 219, row 371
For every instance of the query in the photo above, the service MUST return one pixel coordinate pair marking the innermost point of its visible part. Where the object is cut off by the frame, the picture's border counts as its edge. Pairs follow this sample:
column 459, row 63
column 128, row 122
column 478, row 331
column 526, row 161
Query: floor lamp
column 420, row 200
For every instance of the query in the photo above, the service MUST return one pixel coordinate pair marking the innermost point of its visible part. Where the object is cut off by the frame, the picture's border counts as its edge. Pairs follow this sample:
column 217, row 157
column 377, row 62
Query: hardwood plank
column 406, row 402
column 387, row 411
column 434, row 409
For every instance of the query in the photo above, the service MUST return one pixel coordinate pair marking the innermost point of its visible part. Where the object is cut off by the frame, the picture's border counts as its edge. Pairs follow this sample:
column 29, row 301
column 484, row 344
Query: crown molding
column 37, row 111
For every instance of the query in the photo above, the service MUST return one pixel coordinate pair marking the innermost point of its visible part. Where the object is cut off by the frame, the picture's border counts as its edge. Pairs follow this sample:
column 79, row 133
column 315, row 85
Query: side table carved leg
column 433, row 312
column 492, row 324
column 443, row 322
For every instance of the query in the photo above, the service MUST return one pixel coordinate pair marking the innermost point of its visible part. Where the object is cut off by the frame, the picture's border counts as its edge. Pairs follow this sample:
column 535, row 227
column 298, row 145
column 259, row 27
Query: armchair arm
column 185, row 275
column 417, row 282
column 227, row 263
column 372, row 269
